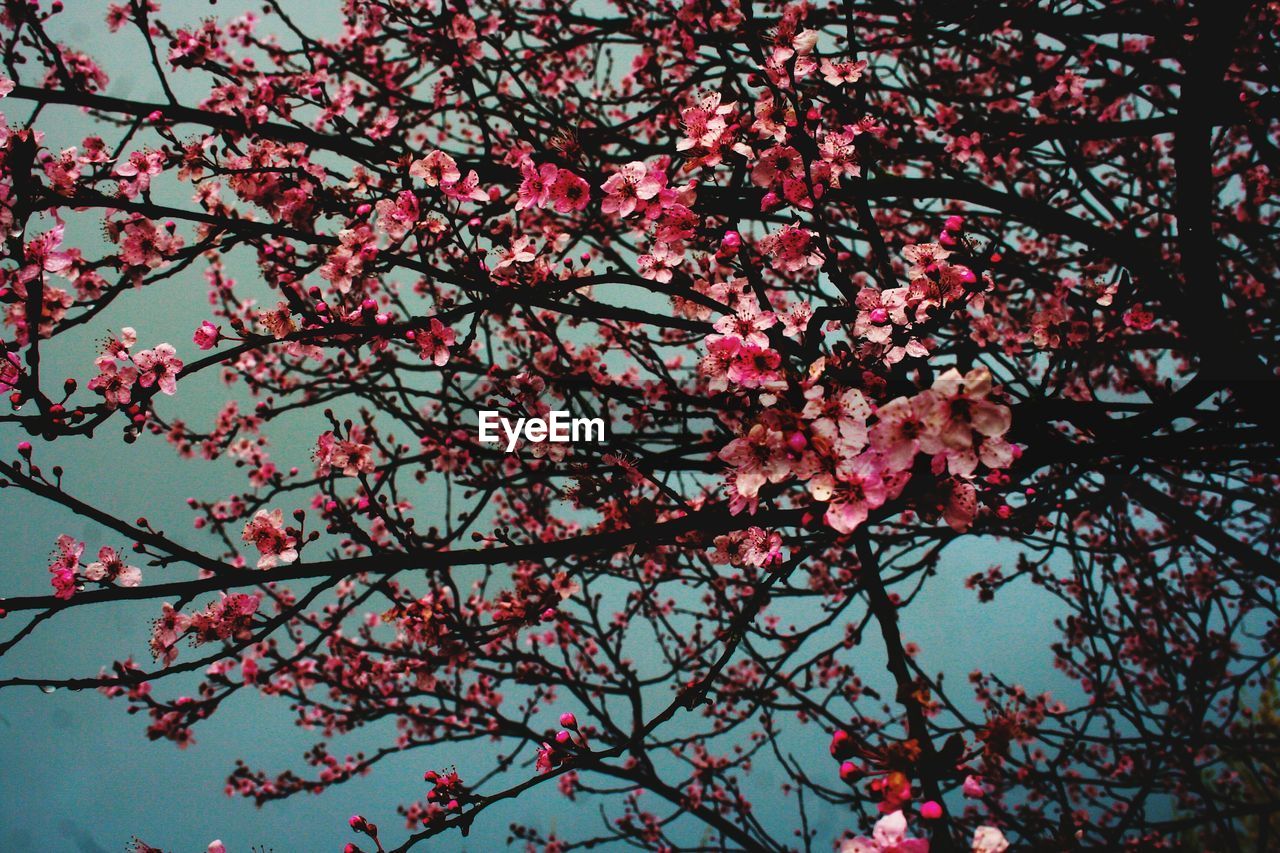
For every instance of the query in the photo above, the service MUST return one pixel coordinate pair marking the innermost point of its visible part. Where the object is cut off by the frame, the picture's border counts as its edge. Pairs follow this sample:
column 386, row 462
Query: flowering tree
column 850, row 282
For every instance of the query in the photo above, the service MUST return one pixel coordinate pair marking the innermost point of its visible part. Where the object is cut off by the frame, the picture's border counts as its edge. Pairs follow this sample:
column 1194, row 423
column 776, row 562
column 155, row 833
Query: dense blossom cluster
column 869, row 297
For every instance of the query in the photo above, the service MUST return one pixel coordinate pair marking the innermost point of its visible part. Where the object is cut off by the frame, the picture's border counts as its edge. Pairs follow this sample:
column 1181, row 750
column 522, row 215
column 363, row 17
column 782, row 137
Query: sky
column 79, row 773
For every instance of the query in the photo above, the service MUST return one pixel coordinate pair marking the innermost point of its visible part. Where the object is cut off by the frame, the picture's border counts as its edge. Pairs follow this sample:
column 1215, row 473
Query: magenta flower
column 159, row 366
column 207, row 336
column 267, row 533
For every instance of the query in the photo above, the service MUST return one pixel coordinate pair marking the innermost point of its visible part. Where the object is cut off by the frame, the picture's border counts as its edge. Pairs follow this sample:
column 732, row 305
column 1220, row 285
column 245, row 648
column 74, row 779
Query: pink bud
column 879, row 316
column 797, row 442
column 548, row 614
column 947, row 239
column 849, row 773
column 563, row 736
column 930, row 810
column 357, row 822
column 842, row 744
column 954, row 223
column 569, row 721
column 24, row 447
column 968, row 276
column 363, row 210
column 732, row 241
column 769, row 202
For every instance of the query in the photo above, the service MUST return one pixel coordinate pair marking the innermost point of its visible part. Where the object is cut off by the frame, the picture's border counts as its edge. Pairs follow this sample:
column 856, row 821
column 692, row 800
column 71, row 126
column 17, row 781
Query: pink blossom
column 350, row 457
column 973, row 787
column 165, row 633
column 840, row 419
column 398, row 217
column 855, row 490
column 569, row 192
column 10, row 371
column 989, row 839
column 467, row 189
column 704, row 123
column 792, row 249
column 278, row 321
column 960, row 504
column 63, row 568
column 207, row 336
column 520, row 252
column 141, row 166
column 839, row 73
column 780, row 161
column 159, row 366
column 434, row 342
column 748, row 323
column 757, row 458
column 114, row 382
column 626, row 188
column 266, row 531
column 110, row 567
column 896, row 435
column 535, row 187
column 436, row 169
column 888, row 836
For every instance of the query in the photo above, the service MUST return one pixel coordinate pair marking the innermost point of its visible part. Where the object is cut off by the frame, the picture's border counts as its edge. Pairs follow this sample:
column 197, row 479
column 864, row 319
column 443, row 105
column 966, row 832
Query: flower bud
column 930, row 810
column 842, row 745
column 569, row 721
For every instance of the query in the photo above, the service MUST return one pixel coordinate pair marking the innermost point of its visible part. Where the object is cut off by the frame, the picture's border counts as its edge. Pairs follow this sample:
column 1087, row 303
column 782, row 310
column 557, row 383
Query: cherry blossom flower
column 626, row 188
column 140, row 168
column 350, row 457
column 520, row 252
column 434, row 342
column 159, row 366
column 888, row 836
column 114, row 381
column 757, row 458
column 207, row 336
column 704, row 123
column 901, row 422
column 780, row 161
column 792, row 249
column 165, row 633
column 267, row 533
column 64, row 566
column 855, row 490
column 839, row 419
column 436, row 169
column 398, row 217
column 840, row 73
column 535, row 186
column 110, row 567
column 10, row 371
column 278, row 321
column 989, row 839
